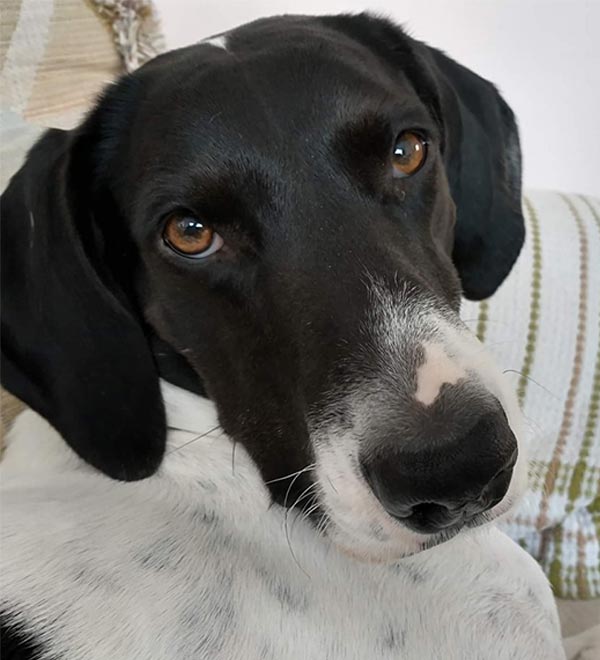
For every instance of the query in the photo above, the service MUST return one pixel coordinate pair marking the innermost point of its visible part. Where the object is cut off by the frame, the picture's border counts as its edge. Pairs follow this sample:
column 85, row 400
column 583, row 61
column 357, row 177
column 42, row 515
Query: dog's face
column 283, row 217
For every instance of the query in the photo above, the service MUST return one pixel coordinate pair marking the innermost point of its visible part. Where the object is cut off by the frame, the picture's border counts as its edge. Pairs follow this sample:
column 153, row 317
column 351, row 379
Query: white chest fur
column 195, row 563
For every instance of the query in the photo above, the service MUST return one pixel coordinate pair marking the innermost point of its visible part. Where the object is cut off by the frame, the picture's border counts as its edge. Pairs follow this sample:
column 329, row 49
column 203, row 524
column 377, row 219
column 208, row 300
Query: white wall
column 544, row 56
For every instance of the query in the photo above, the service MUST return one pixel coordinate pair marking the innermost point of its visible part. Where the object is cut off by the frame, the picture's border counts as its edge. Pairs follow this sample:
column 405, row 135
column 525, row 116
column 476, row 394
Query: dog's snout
column 445, row 481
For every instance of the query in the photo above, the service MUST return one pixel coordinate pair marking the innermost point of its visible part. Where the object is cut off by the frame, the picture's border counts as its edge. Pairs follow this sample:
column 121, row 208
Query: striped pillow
column 543, row 325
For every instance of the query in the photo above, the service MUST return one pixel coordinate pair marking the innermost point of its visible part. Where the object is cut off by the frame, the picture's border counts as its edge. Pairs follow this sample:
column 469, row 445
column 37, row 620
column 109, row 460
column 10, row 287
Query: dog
column 258, row 428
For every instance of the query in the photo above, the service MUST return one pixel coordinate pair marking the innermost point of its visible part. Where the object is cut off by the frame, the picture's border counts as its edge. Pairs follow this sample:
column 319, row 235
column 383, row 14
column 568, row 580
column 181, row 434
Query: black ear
column 483, row 164
column 481, row 149
column 72, row 347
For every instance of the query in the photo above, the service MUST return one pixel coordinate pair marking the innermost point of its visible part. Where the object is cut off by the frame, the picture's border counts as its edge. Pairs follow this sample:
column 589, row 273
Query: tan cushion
column 55, row 57
column 10, row 407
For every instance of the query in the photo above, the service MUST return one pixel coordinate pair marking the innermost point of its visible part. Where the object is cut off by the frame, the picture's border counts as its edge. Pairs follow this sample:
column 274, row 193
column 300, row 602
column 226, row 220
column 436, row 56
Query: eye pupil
column 192, row 227
column 409, row 154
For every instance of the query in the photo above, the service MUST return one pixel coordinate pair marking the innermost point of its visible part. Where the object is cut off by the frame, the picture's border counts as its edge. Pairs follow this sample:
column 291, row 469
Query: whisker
column 287, row 494
column 516, row 371
column 198, row 437
column 304, row 493
column 306, row 515
column 176, row 428
column 322, row 524
column 294, row 556
column 506, row 324
column 310, row 466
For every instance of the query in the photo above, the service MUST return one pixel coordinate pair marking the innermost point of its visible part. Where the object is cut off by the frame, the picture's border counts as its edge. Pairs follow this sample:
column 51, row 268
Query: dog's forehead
column 285, row 81
column 253, row 103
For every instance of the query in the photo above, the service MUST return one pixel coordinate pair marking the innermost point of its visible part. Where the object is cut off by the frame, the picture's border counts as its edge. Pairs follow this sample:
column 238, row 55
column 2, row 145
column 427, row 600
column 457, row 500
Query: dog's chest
column 181, row 581
column 195, row 563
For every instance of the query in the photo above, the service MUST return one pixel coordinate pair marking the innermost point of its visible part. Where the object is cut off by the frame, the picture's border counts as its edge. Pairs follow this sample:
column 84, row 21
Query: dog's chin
column 406, row 543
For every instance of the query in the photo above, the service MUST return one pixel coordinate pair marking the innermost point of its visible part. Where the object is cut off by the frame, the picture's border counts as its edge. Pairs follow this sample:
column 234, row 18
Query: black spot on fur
column 16, row 643
column 211, row 620
column 393, row 638
column 291, row 600
column 165, row 554
column 207, row 485
column 202, row 517
column 417, row 575
column 90, row 576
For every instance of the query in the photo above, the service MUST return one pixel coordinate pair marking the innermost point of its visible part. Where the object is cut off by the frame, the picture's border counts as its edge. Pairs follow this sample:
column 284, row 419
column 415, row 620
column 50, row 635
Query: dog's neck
column 188, row 411
column 174, row 367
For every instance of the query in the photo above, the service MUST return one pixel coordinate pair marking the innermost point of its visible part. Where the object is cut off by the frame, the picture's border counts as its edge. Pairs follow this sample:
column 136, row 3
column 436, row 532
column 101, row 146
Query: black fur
column 16, row 643
column 283, row 145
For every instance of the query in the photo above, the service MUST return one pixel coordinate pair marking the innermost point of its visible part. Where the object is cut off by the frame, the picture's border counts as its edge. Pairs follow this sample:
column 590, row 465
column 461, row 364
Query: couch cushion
column 57, row 55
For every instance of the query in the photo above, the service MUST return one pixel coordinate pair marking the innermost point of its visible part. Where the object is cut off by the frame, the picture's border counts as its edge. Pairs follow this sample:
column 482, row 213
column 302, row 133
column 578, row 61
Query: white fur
column 217, row 42
column 195, row 563
column 437, row 370
column 356, row 519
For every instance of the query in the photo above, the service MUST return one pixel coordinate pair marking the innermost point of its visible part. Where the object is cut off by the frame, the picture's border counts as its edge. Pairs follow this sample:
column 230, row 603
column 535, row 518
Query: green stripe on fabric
column 534, row 309
column 555, row 572
column 482, row 320
column 581, row 467
column 581, row 568
column 594, row 509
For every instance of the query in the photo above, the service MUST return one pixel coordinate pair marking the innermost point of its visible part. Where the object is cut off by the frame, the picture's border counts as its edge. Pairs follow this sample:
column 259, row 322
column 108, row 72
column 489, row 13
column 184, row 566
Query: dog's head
column 283, row 218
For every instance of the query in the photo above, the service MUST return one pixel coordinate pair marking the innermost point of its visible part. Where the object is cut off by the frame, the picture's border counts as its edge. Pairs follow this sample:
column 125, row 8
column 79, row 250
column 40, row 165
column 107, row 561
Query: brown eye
column 410, row 152
column 189, row 237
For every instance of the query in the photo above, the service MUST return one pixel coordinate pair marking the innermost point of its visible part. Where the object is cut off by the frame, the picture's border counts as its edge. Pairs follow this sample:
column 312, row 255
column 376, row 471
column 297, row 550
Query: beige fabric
column 577, row 615
column 10, row 407
column 56, row 56
column 134, row 25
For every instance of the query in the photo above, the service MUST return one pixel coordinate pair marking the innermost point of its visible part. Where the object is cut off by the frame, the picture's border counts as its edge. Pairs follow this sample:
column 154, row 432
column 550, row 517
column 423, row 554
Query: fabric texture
column 543, row 325
column 135, row 29
column 57, row 55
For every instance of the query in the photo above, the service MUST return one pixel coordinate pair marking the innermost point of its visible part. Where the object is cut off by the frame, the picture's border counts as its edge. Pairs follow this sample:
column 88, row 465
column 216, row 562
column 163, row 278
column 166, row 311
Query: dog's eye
column 186, row 235
column 410, row 152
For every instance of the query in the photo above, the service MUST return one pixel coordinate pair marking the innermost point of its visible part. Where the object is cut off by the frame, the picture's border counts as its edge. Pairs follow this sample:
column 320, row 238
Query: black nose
column 444, row 481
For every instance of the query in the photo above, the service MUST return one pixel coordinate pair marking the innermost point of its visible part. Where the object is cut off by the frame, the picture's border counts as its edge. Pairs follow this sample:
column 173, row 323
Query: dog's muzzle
column 447, row 465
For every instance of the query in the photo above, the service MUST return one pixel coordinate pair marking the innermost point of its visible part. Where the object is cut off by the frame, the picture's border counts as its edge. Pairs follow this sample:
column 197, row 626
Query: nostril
column 429, row 510
column 430, row 516
column 496, row 489
column 510, row 464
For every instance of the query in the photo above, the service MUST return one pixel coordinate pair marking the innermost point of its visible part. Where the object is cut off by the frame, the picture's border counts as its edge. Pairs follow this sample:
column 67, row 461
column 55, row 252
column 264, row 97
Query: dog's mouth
column 360, row 527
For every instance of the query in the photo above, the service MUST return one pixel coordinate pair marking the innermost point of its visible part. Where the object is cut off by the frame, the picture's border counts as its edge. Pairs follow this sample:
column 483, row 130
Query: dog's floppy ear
column 483, row 165
column 481, row 149
column 72, row 348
